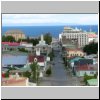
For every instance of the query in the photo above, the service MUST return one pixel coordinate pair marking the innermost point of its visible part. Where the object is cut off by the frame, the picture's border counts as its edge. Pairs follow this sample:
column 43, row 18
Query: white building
column 78, row 34
column 92, row 37
column 87, row 69
column 27, row 46
column 42, row 47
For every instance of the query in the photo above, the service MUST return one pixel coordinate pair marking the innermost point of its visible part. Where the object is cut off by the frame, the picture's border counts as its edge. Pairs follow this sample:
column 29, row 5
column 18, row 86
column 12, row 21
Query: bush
column 86, row 77
column 48, row 71
column 7, row 74
column 27, row 74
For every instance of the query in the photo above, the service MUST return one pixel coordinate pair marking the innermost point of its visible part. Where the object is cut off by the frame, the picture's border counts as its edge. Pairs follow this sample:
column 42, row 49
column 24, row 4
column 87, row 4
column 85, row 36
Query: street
column 60, row 76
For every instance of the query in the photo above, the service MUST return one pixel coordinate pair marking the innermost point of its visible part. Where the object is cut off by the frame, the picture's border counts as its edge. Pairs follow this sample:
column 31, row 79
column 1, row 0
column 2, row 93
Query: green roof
column 75, row 59
column 92, row 82
column 14, row 52
column 25, row 68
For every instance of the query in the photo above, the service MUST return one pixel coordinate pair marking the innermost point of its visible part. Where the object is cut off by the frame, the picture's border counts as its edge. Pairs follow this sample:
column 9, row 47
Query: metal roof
column 14, row 60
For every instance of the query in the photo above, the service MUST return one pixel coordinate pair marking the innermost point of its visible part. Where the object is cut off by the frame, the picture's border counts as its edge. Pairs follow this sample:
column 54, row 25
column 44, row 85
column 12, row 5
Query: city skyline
column 48, row 19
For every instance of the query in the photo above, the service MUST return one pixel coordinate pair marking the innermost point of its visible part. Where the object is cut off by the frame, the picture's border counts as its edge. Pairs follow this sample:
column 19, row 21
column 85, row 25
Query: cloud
column 32, row 19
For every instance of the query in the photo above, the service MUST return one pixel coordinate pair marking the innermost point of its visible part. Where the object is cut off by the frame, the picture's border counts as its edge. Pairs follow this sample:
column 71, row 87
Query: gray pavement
column 60, row 76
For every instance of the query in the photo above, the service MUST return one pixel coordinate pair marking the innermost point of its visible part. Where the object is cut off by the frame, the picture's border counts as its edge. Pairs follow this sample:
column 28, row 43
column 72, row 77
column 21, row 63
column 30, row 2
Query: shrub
column 48, row 71
column 27, row 74
column 7, row 74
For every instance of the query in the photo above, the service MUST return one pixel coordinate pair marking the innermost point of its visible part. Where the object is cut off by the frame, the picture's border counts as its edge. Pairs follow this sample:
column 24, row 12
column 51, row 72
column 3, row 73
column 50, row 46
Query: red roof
column 11, row 43
column 39, row 58
column 84, row 68
column 92, row 35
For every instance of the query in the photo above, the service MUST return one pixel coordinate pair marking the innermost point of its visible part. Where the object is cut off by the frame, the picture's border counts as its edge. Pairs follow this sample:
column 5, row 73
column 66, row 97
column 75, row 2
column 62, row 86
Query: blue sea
column 35, row 31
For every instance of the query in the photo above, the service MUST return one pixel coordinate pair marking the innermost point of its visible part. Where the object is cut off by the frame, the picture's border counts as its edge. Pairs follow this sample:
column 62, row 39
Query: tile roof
column 84, row 68
column 39, row 58
column 11, row 43
column 92, row 35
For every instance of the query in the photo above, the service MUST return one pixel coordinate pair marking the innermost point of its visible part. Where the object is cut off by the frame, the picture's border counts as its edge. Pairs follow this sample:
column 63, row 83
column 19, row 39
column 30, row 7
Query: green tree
column 8, row 39
column 91, row 48
column 48, row 71
column 35, row 72
column 48, row 38
column 22, row 50
column 27, row 74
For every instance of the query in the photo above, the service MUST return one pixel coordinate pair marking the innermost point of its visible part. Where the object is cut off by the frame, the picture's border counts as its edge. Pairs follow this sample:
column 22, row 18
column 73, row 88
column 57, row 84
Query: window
column 91, row 72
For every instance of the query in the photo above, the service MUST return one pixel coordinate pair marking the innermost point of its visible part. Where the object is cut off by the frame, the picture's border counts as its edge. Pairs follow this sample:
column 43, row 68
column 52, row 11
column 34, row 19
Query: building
column 12, row 81
column 6, row 46
column 14, row 60
column 81, row 70
column 41, row 60
column 92, row 37
column 42, row 48
column 27, row 46
column 74, row 53
column 71, row 33
column 69, row 43
column 17, row 34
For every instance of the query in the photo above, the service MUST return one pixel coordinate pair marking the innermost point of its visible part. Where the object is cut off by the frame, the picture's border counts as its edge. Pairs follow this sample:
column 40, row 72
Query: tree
column 35, row 72
column 48, row 71
column 22, row 50
column 8, row 39
column 48, row 38
column 91, row 48
column 27, row 74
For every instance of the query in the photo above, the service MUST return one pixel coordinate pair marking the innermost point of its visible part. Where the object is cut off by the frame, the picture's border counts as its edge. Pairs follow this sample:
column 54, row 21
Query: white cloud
column 24, row 19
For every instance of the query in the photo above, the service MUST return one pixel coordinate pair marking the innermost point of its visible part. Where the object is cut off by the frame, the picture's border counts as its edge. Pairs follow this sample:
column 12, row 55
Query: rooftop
column 14, row 60
column 14, row 82
column 83, row 62
column 92, row 35
column 39, row 58
column 14, row 32
column 84, row 68
column 11, row 43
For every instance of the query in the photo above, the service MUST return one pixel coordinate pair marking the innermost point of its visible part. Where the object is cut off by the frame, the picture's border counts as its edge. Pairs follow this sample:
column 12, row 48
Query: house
column 83, row 62
column 81, row 70
column 6, row 46
column 27, row 46
column 40, row 59
column 74, row 53
column 92, row 37
column 14, row 81
column 71, row 61
column 14, row 60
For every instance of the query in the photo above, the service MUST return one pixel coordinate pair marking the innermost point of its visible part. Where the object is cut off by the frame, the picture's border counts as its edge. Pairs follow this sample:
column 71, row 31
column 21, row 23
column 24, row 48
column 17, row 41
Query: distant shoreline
column 36, row 31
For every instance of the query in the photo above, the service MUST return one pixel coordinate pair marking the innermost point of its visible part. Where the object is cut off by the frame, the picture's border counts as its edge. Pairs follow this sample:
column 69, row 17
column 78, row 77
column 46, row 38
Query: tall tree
column 35, row 71
column 48, row 38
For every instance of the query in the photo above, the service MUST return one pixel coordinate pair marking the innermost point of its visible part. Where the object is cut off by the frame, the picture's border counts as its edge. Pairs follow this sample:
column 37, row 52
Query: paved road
column 60, row 76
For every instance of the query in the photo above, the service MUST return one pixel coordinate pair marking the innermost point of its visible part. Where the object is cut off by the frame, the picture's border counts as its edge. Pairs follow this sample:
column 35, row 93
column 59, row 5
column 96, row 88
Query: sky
column 48, row 19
